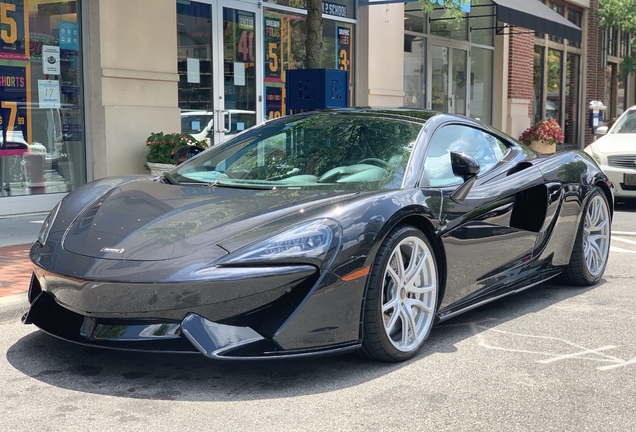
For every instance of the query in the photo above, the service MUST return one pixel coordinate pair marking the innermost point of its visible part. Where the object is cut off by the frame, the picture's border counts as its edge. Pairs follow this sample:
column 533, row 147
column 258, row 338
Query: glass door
column 448, row 79
column 220, row 64
column 239, row 68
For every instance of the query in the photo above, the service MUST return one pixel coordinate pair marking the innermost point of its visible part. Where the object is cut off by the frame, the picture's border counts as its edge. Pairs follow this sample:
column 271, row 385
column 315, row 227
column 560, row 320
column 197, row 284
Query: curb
column 13, row 307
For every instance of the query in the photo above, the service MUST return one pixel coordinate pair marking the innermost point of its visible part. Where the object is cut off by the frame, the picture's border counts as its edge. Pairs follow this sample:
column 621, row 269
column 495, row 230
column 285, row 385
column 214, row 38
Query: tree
column 620, row 14
column 313, row 42
column 453, row 7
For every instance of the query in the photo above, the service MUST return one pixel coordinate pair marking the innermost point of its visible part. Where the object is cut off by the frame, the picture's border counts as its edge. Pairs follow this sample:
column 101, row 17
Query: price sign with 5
column 12, row 25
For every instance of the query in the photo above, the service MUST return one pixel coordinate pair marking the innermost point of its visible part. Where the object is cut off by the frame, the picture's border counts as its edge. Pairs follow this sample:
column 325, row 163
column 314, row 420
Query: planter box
column 542, row 147
column 156, row 169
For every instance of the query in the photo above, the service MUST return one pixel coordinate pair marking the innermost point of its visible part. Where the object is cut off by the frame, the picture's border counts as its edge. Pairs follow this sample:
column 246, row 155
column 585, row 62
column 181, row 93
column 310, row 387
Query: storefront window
column 482, row 21
column 572, row 98
column 414, row 18
column 284, row 48
column 610, row 91
column 574, row 16
column 414, row 71
column 41, row 102
column 560, row 9
column 481, row 84
column 448, row 27
column 537, row 89
column 553, row 102
column 621, row 97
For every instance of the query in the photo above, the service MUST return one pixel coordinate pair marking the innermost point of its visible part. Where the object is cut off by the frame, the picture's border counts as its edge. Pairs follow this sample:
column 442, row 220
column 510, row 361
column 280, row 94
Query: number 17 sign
column 49, row 93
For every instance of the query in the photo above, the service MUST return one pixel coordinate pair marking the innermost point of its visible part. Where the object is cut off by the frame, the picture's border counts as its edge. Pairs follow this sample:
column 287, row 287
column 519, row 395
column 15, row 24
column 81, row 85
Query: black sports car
column 322, row 232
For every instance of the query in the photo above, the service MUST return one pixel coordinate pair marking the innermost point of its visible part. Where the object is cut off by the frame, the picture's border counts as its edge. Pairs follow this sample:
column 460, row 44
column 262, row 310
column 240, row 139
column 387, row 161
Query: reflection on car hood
column 147, row 220
column 617, row 144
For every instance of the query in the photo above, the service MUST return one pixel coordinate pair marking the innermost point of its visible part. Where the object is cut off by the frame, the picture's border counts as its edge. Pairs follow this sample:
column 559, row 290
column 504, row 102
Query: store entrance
column 220, row 64
column 447, row 77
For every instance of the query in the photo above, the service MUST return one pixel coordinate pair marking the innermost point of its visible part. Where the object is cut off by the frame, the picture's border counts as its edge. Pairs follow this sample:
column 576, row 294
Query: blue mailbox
column 312, row 89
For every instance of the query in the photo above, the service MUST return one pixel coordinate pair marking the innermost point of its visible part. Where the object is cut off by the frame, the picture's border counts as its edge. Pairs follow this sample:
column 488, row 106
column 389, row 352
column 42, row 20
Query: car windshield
column 626, row 124
column 324, row 150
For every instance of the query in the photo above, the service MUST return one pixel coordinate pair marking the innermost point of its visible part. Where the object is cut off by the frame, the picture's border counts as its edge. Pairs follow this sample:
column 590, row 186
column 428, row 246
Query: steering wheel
column 383, row 164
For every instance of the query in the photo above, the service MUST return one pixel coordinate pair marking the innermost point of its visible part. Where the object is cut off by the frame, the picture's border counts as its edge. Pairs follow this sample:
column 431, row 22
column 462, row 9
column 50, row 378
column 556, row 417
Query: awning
column 530, row 14
column 534, row 15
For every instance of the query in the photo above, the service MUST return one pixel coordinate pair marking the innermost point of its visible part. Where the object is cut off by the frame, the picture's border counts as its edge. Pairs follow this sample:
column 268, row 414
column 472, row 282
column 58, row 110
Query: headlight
column 590, row 150
column 48, row 223
column 315, row 239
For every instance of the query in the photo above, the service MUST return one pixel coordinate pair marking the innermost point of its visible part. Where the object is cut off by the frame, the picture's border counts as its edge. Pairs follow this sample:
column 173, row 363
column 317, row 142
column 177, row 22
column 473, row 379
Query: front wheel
column 401, row 297
column 591, row 247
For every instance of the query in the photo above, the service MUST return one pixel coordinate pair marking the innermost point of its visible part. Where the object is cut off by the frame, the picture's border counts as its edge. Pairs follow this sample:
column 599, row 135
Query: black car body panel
column 139, row 263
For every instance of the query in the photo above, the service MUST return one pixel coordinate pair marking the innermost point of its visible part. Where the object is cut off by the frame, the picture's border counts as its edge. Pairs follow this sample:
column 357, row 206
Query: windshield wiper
column 169, row 178
column 216, row 183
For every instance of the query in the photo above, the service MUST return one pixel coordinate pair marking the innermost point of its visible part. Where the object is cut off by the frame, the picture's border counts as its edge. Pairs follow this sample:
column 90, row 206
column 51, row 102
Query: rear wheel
column 591, row 247
column 401, row 296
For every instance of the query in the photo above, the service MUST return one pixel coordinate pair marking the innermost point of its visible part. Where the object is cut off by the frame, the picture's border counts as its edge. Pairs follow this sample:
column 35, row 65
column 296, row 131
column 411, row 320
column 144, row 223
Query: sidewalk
column 16, row 236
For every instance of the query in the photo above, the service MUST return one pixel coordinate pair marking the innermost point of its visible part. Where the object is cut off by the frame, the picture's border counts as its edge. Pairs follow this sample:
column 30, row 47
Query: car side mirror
column 601, row 130
column 464, row 166
column 186, row 152
column 467, row 168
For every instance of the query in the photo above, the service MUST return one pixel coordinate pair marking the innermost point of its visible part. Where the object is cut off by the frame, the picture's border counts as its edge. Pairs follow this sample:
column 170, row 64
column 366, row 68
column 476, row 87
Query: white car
column 615, row 152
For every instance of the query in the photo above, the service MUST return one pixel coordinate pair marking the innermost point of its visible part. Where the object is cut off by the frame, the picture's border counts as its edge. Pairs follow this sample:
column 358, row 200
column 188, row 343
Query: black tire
column 589, row 255
column 410, row 300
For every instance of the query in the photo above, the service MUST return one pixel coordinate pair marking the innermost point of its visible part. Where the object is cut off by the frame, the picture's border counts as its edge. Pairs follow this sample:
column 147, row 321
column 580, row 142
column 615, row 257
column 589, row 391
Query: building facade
column 83, row 83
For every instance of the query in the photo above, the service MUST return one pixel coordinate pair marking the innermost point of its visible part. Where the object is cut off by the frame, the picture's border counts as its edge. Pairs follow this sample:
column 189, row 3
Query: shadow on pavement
column 196, row 378
column 625, row 205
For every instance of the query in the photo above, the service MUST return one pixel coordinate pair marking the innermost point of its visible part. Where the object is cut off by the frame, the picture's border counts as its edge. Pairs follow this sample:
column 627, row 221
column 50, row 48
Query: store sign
column 344, row 47
column 13, row 119
column 69, row 36
column 343, row 9
column 51, row 60
column 12, row 31
column 334, row 9
column 273, row 102
column 273, row 58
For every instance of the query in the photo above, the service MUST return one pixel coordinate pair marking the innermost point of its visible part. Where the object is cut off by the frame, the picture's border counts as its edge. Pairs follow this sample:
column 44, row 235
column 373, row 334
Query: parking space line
column 617, row 249
column 624, row 240
column 624, row 363
column 585, row 354
column 579, row 354
column 629, row 233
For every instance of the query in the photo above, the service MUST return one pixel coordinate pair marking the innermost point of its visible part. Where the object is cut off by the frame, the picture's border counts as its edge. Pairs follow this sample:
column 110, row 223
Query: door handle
column 221, row 114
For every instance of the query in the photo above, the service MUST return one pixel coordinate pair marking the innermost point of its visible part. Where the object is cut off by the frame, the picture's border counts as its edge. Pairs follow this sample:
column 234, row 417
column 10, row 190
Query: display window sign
column 51, row 60
column 274, row 59
column 274, row 102
column 14, row 41
column 13, row 103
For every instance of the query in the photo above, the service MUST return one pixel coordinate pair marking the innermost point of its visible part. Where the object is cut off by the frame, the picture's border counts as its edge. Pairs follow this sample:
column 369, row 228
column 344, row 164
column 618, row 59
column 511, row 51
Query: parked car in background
column 615, row 152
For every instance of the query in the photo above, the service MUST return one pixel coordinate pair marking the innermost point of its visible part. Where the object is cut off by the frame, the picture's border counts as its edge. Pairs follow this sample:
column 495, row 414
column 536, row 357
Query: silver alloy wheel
column 596, row 235
column 409, row 294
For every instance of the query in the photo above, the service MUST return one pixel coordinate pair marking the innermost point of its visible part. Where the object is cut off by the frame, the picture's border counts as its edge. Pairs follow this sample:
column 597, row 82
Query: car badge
column 112, row 250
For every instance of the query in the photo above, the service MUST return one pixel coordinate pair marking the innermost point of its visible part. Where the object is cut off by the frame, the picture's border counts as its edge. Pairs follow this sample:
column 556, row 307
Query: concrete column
column 132, row 81
column 380, row 56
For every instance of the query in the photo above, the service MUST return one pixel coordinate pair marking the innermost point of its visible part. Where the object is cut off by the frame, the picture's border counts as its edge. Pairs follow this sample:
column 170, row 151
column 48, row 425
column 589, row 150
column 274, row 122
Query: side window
column 487, row 149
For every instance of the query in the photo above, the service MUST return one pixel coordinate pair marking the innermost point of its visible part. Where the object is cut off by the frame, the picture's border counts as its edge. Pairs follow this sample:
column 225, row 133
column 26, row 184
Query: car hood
column 617, row 144
column 151, row 221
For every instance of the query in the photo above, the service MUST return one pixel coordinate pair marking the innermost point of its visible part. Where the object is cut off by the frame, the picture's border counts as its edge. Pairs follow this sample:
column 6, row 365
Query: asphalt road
column 549, row 358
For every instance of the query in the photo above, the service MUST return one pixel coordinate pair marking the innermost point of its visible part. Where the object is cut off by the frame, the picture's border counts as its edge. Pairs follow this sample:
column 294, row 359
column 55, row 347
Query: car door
column 481, row 234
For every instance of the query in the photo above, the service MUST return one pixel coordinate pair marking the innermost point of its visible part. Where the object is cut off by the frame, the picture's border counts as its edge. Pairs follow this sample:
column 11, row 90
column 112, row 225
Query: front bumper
column 616, row 176
column 237, row 313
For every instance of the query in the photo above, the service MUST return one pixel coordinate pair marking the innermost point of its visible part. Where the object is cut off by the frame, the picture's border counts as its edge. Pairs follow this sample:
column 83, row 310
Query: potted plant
column 543, row 136
column 162, row 148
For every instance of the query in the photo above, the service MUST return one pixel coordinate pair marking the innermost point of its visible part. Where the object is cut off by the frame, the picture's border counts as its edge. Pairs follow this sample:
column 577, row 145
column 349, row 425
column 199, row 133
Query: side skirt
column 443, row 317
